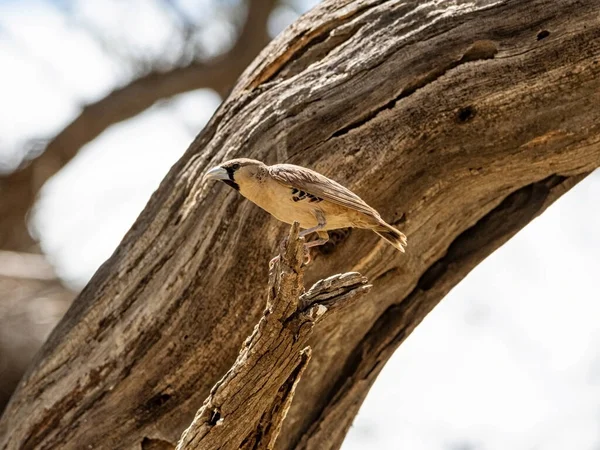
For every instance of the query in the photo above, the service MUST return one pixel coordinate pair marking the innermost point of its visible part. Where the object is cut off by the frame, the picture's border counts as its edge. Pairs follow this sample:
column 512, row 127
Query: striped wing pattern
column 320, row 186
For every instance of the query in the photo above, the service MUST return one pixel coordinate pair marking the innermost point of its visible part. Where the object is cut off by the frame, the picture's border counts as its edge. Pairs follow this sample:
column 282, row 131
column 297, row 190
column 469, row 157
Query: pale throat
column 255, row 192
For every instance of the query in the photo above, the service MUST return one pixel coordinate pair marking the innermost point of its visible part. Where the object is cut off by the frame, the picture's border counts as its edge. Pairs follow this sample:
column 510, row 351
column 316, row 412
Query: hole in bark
column 157, row 401
column 400, row 220
column 214, row 418
column 465, row 114
column 480, row 50
column 543, row 34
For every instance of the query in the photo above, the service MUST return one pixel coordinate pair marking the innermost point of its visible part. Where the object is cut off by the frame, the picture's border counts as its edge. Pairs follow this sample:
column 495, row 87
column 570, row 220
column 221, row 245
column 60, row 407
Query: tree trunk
column 459, row 121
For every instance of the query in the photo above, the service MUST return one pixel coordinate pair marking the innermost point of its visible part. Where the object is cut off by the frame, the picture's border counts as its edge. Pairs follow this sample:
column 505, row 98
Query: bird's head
column 237, row 172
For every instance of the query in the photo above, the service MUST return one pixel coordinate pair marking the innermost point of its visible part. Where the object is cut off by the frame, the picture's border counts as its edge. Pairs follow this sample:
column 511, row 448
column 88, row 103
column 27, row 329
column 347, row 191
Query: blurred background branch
column 218, row 73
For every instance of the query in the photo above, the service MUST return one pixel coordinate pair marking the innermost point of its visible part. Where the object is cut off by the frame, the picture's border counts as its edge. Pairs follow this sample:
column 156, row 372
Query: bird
column 294, row 193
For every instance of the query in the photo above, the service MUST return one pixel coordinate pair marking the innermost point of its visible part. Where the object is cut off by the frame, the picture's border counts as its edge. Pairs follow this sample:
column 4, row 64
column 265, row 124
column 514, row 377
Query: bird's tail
column 390, row 234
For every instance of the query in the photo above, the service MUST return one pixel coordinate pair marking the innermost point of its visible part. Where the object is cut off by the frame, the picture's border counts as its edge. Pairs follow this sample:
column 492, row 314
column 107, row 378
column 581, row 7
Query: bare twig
column 246, row 408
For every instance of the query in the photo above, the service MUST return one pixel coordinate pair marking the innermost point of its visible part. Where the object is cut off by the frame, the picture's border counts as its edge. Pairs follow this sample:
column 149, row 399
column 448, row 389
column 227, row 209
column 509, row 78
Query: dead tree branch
column 246, row 408
column 460, row 121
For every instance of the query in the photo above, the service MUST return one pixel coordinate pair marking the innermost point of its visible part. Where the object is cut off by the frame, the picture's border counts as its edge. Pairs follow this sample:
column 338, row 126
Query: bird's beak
column 216, row 173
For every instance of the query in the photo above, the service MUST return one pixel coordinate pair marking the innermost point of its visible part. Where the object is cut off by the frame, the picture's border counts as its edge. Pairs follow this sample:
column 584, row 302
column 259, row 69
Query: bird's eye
column 235, row 167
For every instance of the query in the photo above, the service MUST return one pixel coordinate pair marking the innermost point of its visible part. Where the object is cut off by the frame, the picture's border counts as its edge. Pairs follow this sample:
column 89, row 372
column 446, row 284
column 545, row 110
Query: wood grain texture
column 459, row 121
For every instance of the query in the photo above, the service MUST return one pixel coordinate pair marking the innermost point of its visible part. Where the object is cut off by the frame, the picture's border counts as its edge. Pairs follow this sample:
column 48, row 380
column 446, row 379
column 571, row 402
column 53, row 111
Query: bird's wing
column 319, row 185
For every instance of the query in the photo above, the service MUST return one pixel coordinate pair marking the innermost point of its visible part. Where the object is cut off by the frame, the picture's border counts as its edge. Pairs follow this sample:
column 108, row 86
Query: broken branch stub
column 246, row 408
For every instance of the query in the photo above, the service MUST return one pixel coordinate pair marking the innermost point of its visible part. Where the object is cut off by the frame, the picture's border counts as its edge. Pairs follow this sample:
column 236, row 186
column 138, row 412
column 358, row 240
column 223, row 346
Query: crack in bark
column 479, row 51
column 315, row 51
column 302, row 43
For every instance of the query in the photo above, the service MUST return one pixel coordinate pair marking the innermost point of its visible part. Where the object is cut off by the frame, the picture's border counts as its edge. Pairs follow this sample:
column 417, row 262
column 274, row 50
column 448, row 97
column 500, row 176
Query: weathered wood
column 246, row 408
column 459, row 121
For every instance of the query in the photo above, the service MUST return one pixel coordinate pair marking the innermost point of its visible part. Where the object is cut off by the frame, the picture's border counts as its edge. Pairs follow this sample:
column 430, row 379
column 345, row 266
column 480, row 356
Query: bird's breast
column 278, row 201
column 289, row 205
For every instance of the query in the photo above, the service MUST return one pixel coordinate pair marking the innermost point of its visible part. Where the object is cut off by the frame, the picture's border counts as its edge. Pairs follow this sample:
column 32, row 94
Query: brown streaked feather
column 320, row 186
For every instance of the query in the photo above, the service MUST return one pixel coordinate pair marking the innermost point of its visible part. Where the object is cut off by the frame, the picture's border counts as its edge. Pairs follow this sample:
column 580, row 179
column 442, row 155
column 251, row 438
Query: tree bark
column 459, row 121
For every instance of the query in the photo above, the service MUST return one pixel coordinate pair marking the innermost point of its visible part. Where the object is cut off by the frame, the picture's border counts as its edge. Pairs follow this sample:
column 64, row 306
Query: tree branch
column 246, row 408
column 458, row 124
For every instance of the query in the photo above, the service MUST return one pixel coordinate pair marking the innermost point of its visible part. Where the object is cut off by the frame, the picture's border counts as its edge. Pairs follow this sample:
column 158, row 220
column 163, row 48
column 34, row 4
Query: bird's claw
column 307, row 257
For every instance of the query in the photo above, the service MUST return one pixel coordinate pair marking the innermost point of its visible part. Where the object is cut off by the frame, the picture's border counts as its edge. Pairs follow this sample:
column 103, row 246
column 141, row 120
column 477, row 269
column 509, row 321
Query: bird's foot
column 307, row 257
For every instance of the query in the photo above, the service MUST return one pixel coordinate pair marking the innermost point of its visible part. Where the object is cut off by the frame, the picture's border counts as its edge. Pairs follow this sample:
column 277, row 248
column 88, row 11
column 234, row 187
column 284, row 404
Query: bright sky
column 509, row 360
